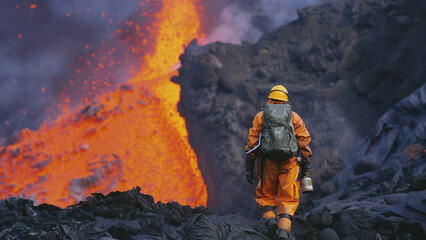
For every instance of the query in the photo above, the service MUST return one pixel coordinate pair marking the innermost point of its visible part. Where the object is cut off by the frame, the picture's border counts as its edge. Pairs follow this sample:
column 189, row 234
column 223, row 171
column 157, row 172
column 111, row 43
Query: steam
column 234, row 27
column 238, row 23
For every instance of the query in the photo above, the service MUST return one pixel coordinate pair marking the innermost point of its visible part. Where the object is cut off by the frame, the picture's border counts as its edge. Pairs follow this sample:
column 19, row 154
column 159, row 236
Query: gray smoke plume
column 249, row 20
column 235, row 26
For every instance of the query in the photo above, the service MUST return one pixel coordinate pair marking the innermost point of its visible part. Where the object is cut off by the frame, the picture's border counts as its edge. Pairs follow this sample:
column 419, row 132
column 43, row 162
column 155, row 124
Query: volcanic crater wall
column 344, row 63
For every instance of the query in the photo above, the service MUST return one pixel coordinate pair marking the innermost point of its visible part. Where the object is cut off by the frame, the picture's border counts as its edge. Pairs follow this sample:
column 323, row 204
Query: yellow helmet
column 278, row 92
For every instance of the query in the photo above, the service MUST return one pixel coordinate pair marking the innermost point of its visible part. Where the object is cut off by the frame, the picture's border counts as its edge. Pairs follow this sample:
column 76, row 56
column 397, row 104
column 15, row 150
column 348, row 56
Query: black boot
column 270, row 220
column 271, row 225
column 282, row 234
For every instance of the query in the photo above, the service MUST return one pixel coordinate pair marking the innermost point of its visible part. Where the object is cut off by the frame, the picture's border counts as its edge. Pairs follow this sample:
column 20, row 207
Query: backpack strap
column 258, row 145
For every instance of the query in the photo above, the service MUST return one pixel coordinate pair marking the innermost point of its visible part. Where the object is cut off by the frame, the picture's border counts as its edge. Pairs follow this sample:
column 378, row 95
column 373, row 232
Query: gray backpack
column 278, row 142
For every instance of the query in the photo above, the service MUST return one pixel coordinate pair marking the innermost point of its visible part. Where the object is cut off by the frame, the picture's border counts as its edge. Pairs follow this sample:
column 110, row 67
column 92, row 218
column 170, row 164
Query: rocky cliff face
column 344, row 63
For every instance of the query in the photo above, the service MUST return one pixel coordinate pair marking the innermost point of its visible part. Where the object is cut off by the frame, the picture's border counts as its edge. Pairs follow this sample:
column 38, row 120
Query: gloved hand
column 250, row 176
column 249, row 168
column 306, row 167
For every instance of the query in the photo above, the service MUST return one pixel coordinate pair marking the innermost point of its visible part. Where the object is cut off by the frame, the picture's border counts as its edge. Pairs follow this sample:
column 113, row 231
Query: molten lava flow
column 133, row 136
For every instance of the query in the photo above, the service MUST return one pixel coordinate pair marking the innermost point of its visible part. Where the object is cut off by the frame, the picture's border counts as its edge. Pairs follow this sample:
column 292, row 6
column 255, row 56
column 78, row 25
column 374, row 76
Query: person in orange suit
column 278, row 185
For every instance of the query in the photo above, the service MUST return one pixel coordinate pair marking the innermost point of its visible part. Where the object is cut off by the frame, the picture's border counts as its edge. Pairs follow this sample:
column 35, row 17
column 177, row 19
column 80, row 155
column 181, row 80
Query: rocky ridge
column 133, row 215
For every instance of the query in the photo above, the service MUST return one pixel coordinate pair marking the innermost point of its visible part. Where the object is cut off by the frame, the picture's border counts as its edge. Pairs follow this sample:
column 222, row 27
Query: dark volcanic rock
column 223, row 227
column 328, row 234
column 320, row 219
column 355, row 222
column 118, row 215
column 418, row 183
column 344, row 62
column 132, row 215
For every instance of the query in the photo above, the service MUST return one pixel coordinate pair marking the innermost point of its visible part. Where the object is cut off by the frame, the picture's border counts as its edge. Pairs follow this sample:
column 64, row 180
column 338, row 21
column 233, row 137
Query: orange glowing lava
column 133, row 136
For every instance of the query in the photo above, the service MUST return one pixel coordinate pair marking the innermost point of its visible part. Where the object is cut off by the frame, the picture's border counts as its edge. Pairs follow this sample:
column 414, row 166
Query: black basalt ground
column 118, row 215
column 132, row 215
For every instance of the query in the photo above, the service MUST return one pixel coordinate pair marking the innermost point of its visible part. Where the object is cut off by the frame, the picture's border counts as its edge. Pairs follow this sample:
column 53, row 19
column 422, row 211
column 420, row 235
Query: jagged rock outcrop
column 118, row 215
column 344, row 63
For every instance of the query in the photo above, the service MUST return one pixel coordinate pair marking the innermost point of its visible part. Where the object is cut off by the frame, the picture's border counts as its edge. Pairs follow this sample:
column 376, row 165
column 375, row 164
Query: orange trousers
column 280, row 186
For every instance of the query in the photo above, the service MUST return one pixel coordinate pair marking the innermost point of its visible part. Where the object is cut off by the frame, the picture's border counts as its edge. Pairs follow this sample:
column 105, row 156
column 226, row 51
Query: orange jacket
column 302, row 135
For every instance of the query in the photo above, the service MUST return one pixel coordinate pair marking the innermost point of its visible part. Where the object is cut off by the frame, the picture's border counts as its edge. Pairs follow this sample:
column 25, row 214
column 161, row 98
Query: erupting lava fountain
column 133, row 136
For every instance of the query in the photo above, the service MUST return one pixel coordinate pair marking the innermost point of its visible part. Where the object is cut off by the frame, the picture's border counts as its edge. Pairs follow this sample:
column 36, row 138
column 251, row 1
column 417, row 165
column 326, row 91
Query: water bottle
column 307, row 185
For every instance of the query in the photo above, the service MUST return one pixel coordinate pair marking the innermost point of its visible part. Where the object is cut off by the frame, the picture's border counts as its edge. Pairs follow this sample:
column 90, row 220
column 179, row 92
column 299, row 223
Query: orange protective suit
column 280, row 186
